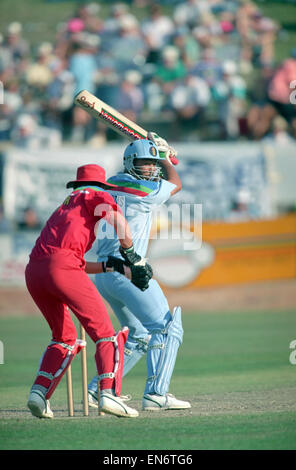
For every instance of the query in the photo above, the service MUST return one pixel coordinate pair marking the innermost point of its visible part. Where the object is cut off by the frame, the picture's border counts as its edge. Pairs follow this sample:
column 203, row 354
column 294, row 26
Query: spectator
column 88, row 14
column 58, row 101
column 128, row 49
column 188, row 13
column 227, row 42
column 257, row 33
column 208, row 67
column 279, row 132
column 107, row 78
column 130, row 98
column 29, row 220
column 244, row 16
column 280, row 90
column 5, row 225
column 6, row 61
column 265, row 31
column 65, row 33
column 75, row 26
column 83, row 67
column 28, row 134
column 261, row 111
column 189, row 100
column 227, row 22
column 170, row 71
column 85, row 19
column 208, row 31
column 38, row 73
column 82, row 61
column 241, row 207
column 188, row 47
column 12, row 105
column 230, row 96
column 293, row 129
column 17, row 46
column 157, row 30
column 112, row 23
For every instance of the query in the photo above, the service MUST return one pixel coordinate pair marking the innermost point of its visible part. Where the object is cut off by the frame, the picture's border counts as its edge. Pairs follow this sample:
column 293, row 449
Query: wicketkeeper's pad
column 119, row 341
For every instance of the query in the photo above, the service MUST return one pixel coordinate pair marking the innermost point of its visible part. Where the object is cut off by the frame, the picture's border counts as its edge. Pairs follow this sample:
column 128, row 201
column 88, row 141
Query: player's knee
column 136, row 344
column 171, row 327
column 160, row 324
column 69, row 337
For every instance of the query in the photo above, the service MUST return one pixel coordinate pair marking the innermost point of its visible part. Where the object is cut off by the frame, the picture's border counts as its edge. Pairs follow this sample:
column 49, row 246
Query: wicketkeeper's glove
column 133, row 260
column 164, row 149
column 139, row 274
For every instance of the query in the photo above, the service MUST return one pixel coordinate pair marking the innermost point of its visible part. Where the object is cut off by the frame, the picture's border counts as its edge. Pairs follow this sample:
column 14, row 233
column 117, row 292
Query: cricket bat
column 112, row 118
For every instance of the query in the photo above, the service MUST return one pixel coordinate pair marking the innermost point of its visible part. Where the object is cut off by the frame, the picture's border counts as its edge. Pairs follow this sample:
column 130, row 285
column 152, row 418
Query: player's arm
column 123, row 232
column 121, row 227
column 107, row 209
column 169, row 156
column 92, row 267
column 115, row 218
column 134, row 266
column 139, row 275
column 170, row 174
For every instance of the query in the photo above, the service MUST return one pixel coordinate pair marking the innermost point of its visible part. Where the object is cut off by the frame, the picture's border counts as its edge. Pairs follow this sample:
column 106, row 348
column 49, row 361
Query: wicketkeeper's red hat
column 90, row 174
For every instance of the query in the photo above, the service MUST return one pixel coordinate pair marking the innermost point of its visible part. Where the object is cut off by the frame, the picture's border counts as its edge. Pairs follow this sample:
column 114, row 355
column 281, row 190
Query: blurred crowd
column 208, row 65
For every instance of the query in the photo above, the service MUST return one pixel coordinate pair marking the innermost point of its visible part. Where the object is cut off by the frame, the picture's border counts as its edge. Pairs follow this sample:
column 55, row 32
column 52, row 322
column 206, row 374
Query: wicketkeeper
column 56, row 277
column 148, row 179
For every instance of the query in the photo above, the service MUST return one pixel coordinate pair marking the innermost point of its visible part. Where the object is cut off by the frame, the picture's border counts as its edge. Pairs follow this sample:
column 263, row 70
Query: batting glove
column 165, row 151
column 131, row 257
column 141, row 275
column 141, row 271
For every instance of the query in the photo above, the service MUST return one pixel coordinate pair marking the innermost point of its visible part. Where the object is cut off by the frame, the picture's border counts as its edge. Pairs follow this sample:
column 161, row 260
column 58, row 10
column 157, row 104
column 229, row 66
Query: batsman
column 148, row 179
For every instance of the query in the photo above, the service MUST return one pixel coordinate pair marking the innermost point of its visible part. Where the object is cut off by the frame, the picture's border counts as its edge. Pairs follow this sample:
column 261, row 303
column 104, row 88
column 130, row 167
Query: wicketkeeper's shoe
column 163, row 402
column 93, row 398
column 113, row 405
column 39, row 406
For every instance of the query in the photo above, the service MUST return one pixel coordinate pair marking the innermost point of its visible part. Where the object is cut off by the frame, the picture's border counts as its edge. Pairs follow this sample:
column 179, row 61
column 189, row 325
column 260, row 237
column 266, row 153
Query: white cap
column 244, row 196
column 119, row 8
column 128, row 22
column 26, row 121
column 279, row 124
column 45, row 48
column 133, row 76
column 93, row 8
column 14, row 28
column 229, row 67
column 170, row 53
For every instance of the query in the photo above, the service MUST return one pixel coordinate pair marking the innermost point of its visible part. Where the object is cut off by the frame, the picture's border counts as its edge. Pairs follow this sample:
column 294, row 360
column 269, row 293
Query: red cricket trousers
column 55, row 283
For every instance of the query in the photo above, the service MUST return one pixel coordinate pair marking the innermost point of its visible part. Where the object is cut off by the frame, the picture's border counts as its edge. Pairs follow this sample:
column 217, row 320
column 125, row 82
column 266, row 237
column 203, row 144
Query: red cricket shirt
column 72, row 226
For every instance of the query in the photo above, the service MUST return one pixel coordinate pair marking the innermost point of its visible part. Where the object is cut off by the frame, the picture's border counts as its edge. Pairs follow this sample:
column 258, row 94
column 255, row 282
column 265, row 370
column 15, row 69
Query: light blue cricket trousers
column 143, row 312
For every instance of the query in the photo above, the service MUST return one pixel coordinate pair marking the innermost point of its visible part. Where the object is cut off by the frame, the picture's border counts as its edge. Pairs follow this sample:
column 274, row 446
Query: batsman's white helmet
column 141, row 149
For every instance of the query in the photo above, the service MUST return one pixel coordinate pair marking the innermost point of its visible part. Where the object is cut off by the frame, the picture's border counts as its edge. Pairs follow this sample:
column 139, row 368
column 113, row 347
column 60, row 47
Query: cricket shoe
column 39, row 406
column 163, row 402
column 93, row 399
column 113, row 405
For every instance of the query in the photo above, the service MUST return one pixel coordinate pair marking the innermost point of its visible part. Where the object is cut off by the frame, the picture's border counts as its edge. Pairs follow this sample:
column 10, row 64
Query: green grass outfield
column 233, row 367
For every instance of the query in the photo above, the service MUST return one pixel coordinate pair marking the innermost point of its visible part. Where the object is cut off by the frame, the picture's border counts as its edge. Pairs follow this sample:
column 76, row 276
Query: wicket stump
column 70, row 399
